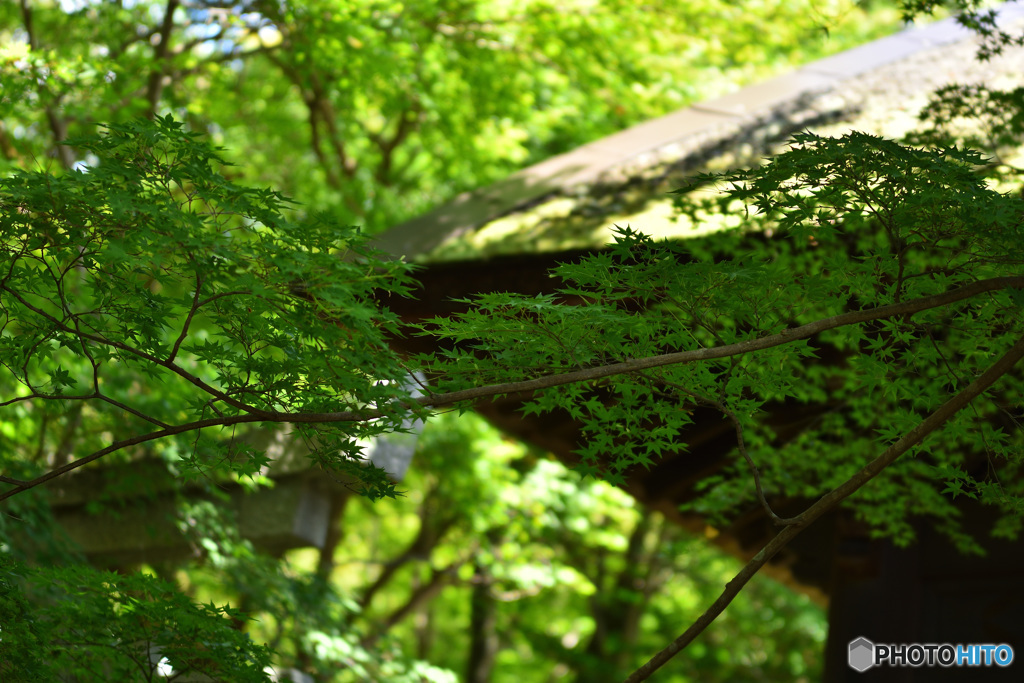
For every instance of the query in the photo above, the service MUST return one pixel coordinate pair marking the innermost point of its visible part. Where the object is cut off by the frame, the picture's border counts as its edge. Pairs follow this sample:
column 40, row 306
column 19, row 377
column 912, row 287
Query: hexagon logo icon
column 862, row 654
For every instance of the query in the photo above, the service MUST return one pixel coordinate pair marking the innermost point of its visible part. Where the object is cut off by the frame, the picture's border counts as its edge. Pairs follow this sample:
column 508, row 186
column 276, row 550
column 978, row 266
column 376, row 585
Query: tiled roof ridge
column 699, row 128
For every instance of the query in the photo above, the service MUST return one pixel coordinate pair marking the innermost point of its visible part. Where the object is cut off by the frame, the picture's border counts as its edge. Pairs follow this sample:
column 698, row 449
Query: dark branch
column 831, row 500
column 630, row 366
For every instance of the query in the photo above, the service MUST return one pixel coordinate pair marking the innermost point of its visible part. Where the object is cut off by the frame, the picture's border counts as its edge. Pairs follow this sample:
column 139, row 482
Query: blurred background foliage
column 379, row 110
column 498, row 564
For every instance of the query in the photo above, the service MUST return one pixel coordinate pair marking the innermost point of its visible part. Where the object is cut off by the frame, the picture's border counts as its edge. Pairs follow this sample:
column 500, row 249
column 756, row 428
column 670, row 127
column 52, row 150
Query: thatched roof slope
column 572, row 201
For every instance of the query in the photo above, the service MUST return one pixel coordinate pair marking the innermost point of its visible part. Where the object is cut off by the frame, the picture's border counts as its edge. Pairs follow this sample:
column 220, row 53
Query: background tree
column 377, row 111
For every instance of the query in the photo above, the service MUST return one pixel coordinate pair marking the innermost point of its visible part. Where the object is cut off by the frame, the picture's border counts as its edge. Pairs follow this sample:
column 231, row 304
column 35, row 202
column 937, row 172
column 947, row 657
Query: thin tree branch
column 188, row 319
column 130, row 441
column 740, row 444
column 58, row 126
column 128, row 409
column 831, row 500
column 728, row 350
column 547, row 382
column 168, row 365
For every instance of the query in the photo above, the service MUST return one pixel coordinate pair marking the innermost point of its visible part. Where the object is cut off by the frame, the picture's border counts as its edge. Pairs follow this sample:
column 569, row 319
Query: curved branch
column 128, row 409
column 630, row 366
column 188, row 319
column 131, row 441
column 831, row 500
column 904, row 308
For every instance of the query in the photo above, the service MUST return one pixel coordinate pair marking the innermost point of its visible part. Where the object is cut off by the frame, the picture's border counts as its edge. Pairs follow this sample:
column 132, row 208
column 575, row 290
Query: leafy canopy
column 379, row 110
column 151, row 267
column 173, row 311
column 859, row 224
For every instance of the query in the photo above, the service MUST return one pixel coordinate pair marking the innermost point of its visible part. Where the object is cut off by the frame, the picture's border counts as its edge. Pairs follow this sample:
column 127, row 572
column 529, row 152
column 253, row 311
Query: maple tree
column 149, row 267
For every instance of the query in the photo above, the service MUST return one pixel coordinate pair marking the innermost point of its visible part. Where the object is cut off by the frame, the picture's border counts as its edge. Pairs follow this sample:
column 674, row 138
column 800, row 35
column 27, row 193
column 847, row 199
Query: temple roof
column 573, row 200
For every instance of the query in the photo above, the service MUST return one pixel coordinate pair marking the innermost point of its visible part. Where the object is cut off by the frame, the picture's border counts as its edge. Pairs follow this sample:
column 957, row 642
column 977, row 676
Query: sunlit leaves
column 379, row 110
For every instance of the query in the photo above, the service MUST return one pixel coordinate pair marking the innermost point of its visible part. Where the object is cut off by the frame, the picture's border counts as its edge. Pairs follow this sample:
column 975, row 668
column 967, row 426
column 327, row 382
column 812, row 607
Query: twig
column 740, row 444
